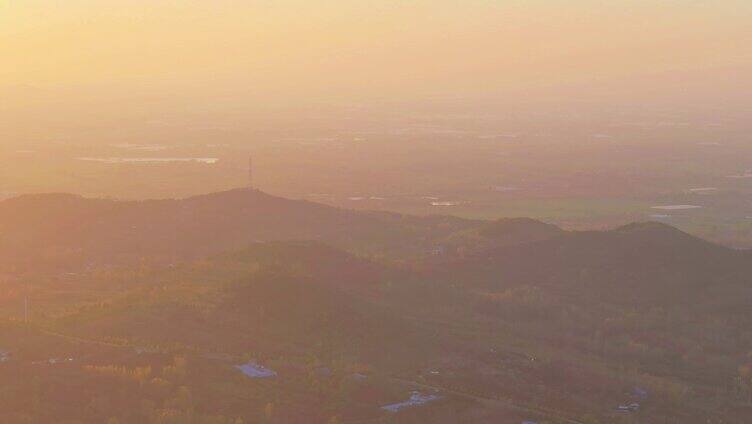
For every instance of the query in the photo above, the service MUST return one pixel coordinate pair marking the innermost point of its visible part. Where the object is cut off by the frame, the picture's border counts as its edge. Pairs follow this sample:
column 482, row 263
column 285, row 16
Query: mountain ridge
column 61, row 228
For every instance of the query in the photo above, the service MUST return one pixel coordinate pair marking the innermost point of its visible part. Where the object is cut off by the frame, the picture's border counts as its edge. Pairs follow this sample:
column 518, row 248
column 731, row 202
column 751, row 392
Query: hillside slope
column 277, row 298
column 66, row 230
column 638, row 263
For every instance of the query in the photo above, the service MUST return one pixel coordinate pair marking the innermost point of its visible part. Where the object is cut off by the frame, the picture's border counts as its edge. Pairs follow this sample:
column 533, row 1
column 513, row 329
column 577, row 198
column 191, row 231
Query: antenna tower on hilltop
column 250, row 172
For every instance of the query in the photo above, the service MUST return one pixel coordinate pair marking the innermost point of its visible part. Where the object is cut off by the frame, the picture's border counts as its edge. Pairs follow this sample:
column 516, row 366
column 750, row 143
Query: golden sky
column 356, row 49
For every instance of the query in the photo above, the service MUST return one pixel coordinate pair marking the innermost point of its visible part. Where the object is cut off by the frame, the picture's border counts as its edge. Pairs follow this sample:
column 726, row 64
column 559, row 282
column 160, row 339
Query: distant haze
column 582, row 113
column 93, row 60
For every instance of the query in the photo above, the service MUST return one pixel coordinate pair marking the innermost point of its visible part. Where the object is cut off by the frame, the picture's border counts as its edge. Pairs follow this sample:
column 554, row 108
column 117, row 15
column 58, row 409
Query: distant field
column 586, row 185
column 566, row 210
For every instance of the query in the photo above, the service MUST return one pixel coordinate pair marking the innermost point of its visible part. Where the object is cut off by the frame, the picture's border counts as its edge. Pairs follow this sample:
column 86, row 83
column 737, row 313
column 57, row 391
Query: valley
column 499, row 320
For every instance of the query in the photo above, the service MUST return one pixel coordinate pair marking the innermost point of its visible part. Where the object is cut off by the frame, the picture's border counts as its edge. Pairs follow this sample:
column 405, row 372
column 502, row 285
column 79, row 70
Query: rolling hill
column 514, row 310
column 635, row 264
column 60, row 230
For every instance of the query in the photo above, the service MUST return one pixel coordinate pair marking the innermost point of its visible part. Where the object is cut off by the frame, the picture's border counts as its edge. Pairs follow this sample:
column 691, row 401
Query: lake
column 676, row 207
column 209, row 161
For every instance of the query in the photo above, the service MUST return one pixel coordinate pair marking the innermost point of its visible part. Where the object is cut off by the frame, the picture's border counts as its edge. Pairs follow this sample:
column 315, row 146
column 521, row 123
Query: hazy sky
column 84, row 53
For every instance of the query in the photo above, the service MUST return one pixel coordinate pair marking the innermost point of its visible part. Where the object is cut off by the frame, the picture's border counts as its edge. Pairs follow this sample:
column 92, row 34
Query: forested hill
column 641, row 263
column 514, row 310
column 59, row 230
column 50, row 230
